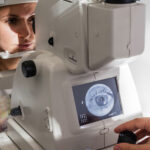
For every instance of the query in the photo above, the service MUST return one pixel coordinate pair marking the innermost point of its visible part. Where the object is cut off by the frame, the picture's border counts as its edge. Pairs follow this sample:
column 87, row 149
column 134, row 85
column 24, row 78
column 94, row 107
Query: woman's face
column 16, row 28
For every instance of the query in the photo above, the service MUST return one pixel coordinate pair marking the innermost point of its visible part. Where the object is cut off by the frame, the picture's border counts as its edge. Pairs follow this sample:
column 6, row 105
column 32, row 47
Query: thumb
column 126, row 146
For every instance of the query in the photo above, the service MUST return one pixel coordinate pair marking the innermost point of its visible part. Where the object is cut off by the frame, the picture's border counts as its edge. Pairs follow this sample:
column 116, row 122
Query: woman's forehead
column 18, row 10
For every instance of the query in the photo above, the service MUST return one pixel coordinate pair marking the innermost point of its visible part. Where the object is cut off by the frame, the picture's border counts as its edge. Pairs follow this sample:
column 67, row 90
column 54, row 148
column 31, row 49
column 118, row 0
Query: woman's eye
column 12, row 21
column 32, row 19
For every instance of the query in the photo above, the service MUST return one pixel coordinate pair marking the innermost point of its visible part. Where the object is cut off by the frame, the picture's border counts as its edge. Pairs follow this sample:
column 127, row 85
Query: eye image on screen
column 17, row 33
column 97, row 100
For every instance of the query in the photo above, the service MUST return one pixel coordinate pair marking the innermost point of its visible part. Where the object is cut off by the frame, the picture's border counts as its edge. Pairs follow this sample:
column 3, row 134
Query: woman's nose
column 25, row 31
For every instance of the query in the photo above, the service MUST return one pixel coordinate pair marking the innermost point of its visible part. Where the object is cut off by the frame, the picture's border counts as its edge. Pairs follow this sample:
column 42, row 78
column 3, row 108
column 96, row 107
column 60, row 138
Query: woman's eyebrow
column 9, row 15
column 13, row 15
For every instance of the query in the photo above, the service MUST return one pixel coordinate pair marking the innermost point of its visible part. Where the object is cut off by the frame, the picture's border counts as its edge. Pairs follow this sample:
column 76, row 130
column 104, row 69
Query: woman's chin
column 13, row 63
column 9, row 64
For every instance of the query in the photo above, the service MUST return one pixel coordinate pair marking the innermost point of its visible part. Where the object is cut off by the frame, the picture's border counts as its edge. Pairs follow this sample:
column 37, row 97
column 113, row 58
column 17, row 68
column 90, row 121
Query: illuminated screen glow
column 97, row 100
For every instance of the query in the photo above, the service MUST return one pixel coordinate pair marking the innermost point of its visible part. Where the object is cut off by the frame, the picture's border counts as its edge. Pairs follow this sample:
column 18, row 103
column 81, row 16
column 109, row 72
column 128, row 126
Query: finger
column 126, row 146
column 133, row 125
column 145, row 140
column 3, row 127
column 141, row 133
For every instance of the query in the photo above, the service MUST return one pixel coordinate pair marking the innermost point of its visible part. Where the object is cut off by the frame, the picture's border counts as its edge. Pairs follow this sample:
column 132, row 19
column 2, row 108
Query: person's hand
column 141, row 127
column 4, row 112
column 3, row 125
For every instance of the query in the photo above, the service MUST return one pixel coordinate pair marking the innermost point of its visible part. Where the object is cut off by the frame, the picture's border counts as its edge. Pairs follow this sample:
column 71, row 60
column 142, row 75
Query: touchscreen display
column 97, row 100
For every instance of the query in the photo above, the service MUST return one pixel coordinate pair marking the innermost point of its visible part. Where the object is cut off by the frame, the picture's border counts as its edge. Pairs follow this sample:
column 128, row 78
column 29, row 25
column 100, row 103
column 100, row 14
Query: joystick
column 127, row 137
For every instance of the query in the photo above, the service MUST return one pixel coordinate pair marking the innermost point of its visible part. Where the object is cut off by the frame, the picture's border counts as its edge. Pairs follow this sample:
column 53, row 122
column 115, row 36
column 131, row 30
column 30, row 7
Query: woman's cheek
column 9, row 37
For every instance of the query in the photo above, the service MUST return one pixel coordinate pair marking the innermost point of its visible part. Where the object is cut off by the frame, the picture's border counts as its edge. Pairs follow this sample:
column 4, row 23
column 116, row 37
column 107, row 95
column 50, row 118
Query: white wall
column 141, row 68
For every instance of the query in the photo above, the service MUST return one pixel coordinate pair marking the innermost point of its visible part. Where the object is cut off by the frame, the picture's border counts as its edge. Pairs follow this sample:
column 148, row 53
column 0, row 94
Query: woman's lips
column 27, row 46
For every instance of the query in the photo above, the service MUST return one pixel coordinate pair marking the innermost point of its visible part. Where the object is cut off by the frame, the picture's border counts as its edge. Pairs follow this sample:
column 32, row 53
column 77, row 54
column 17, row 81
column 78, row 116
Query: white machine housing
column 49, row 110
column 91, row 40
column 90, row 35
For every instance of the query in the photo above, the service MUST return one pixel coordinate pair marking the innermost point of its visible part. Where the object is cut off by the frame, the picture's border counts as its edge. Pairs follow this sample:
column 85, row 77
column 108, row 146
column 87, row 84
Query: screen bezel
column 88, row 85
column 70, row 108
